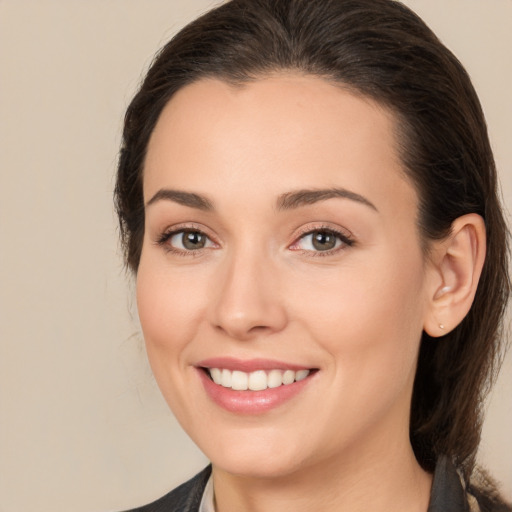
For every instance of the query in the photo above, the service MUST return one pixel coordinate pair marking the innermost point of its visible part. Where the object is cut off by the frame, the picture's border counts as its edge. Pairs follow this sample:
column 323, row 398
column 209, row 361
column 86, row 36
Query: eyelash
column 346, row 240
column 164, row 238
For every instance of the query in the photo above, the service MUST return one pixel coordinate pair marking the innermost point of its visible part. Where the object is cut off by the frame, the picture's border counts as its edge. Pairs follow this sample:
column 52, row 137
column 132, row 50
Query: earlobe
column 455, row 268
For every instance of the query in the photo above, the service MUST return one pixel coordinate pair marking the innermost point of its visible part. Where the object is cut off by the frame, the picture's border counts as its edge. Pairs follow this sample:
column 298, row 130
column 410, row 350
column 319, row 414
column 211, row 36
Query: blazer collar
column 447, row 494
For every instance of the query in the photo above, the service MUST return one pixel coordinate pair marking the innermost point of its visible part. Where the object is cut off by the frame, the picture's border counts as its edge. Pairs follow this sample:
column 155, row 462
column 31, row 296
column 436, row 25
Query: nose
column 248, row 301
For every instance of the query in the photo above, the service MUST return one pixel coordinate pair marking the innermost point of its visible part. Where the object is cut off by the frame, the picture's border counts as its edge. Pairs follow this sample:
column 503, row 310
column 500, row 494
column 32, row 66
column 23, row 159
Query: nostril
column 259, row 328
column 242, row 330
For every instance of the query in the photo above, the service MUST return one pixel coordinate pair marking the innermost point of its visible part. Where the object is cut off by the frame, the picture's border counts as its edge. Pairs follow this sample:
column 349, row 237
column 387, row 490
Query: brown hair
column 380, row 49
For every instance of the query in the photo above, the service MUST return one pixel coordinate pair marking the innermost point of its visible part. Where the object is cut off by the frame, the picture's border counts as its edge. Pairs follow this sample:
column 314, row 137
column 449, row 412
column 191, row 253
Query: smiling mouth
column 258, row 380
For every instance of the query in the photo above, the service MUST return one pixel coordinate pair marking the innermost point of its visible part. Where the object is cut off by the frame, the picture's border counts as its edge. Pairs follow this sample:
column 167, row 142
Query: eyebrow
column 287, row 201
column 299, row 198
column 185, row 198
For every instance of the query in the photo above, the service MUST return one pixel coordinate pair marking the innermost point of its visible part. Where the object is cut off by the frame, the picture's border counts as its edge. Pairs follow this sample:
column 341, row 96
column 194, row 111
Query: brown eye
column 324, row 240
column 188, row 240
column 193, row 240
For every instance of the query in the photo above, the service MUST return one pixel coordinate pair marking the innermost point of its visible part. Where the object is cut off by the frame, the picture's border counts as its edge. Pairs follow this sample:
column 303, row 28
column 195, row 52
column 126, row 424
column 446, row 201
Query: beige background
column 82, row 425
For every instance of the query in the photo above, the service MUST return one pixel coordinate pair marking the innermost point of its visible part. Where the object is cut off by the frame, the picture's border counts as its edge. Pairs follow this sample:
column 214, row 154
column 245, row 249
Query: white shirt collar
column 206, row 504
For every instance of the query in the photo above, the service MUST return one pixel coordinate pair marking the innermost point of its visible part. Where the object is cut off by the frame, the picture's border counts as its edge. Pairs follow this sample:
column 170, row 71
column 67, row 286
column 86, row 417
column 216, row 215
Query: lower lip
column 251, row 402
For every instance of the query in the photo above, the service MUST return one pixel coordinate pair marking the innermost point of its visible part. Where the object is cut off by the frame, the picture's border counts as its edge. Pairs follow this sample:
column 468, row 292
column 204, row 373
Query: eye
column 321, row 240
column 189, row 240
column 185, row 240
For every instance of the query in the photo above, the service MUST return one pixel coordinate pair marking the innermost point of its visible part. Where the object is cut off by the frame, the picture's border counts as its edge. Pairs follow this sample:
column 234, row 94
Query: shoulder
column 185, row 498
column 450, row 492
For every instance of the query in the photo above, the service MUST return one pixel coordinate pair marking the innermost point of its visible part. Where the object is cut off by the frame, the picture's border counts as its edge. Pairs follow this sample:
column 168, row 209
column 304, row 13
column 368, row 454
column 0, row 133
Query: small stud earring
column 441, row 326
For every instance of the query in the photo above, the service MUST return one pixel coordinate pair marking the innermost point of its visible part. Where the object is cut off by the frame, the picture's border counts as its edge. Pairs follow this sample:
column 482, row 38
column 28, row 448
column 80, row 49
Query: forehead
column 276, row 133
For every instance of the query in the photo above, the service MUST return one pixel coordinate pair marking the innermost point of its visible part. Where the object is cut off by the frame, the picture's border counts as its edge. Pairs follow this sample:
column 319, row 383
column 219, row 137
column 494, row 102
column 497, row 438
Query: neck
column 388, row 479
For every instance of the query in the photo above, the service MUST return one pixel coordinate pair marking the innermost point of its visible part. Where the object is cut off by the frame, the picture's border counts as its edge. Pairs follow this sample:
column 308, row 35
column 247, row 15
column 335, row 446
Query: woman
column 307, row 197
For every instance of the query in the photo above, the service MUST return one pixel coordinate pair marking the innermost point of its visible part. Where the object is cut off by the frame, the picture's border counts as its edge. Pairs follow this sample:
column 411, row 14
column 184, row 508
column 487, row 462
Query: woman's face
column 281, row 245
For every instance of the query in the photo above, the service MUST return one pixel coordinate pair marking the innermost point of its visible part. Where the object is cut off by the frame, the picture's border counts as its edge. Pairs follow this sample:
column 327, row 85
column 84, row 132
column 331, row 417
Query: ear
column 455, row 265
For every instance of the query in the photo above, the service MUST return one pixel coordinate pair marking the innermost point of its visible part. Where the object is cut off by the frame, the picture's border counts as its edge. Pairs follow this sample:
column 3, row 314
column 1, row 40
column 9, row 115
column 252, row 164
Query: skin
column 259, row 290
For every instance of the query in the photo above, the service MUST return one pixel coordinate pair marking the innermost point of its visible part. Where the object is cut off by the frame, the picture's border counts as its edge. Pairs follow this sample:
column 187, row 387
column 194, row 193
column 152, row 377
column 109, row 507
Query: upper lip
column 249, row 365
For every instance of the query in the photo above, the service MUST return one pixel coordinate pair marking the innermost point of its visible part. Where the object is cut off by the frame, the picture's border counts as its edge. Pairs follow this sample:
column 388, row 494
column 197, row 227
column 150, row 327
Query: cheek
column 168, row 305
column 369, row 319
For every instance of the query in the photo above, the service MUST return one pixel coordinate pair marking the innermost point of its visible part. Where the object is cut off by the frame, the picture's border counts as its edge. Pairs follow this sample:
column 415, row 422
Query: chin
column 264, row 458
column 261, row 467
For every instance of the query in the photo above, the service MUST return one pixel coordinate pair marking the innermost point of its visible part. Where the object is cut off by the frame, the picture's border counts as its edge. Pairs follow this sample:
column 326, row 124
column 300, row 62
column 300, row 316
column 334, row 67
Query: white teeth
column 288, row 376
column 216, row 375
column 239, row 380
column 226, row 378
column 274, row 378
column 301, row 375
column 257, row 380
